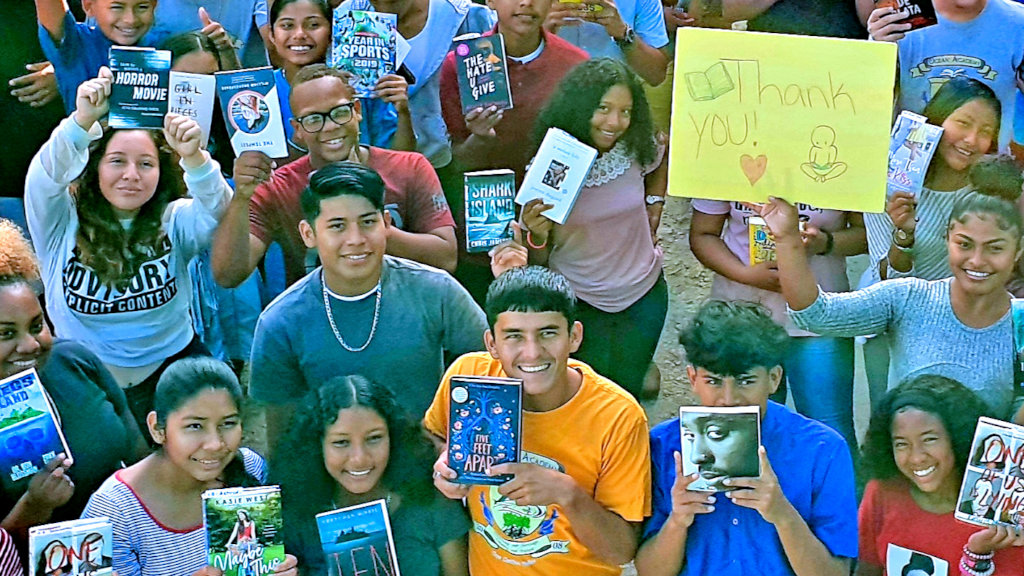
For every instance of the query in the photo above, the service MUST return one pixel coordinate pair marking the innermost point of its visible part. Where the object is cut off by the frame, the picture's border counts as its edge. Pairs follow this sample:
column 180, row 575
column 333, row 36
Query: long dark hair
column 113, row 253
column 578, row 95
column 185, row 379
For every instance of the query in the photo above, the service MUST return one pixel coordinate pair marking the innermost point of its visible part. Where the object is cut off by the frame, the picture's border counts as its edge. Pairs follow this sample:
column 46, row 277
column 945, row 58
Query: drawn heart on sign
column 753, row 168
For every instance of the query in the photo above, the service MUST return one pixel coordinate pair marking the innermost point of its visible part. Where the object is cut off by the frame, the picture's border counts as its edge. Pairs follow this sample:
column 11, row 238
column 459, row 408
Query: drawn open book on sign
column 709, row 84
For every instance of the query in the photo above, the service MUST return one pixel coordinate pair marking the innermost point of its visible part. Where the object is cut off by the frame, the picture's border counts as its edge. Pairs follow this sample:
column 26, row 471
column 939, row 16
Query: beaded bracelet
column 966, row 570
column 529, row 242
column 975, row 556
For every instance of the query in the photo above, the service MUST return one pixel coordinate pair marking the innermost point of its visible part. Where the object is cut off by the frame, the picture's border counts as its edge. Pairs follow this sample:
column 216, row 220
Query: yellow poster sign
column 802, row 118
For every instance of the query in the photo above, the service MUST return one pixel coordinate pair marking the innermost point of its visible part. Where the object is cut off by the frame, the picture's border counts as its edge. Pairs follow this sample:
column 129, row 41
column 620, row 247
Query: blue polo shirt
column 816, row 474
column 78, row 57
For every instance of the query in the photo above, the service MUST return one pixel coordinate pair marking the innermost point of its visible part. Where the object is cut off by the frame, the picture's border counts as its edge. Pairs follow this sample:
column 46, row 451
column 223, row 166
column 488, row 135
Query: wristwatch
column 628, row 39
column 903, row 241
column 652, row 199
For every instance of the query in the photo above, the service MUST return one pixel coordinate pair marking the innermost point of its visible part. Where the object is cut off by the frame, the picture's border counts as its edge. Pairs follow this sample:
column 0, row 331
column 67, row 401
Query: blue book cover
column 911, row 147
column 252, row 111
column 83, row 546
column 364, row 44
column 490, row 208
column 29, row 432
column 483, row 73
column 357, row 540
column 138, row 93
column 484, row 427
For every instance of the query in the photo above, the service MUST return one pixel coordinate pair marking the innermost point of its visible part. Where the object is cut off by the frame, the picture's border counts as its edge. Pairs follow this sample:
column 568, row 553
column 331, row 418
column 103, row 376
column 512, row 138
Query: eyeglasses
column 341, row 114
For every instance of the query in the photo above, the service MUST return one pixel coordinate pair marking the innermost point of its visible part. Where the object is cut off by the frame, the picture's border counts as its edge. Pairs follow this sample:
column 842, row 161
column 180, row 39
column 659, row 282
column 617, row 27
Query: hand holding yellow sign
column 803, row 118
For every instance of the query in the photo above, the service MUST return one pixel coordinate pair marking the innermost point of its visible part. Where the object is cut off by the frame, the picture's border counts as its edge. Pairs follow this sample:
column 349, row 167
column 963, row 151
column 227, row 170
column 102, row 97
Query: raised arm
column 649, row 62
column 50, row 14
column 235, row 251
column 795, row 275
column 437, row 247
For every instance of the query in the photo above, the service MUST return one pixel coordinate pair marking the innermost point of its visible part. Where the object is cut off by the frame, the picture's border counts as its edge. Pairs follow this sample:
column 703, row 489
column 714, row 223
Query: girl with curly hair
column 76, row 382
column 352, row 443
column 110, row 223
column 607, row 248
column 915, row 453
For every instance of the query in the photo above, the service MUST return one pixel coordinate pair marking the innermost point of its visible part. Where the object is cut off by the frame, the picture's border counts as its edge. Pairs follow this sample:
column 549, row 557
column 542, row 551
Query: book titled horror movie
column 252, row 111
column 557, row 173
column 490, row 208
column 992, row 493
column 364, row 44
column 69, row 548
column 921, row 13
column 718, row 444
column 483, row 73
column 138, row 92
column 29, row 430
column 484, row 426
column 357, row 540
column 244, row 530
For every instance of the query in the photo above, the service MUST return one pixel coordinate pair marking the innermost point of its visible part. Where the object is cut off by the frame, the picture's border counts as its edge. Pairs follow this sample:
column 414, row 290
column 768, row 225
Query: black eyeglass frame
column 349, row 106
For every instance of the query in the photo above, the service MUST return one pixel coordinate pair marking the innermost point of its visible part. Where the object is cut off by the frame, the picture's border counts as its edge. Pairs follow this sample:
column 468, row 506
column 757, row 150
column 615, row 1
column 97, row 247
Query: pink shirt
column 605, row 248
column 829, row 271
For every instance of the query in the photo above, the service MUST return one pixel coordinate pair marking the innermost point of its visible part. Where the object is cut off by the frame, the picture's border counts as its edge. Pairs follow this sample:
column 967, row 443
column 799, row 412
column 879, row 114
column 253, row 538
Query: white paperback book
column 557, row 173
column 192, row 95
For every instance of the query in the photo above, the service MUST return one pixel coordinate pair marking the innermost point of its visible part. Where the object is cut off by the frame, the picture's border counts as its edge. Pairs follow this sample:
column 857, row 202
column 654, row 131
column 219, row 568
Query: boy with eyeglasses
column 266, row 208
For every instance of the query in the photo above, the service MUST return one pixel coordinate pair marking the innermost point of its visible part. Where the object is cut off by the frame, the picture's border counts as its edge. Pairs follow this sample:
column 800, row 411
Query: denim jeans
column 819, row 371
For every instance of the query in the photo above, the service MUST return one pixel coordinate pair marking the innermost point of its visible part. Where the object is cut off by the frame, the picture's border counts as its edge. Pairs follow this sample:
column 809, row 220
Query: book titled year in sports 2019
column 357, row 540
column 29, row 430
column 483, row 73
column 252, row 111
column 73, row 547
column 244, row 530
column 485, row 418
column 364, row 44
column 557, row 173
column 138, row 93
column 490, row 208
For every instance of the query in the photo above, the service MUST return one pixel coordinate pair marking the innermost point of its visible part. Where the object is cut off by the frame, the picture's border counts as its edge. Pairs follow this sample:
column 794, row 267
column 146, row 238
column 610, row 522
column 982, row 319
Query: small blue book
column 364, row 44
column 138, row 94
column 29, row 433
column 252, row 111
column 484, row 427
column 357, row 540
column 490, row 208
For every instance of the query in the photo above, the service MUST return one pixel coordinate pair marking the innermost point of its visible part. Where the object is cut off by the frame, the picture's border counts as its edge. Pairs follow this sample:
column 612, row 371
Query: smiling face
column 722, row 446
column 202, row 435
column 968, row 134
column 129, row 171
column 611, row 118
column 301, row 34
column 535, row 346
column 357, row 447
column 981, row 255
column 334, row 142
column 25, row 340
column 350, row 235
column 123, row 22
column 924, row 452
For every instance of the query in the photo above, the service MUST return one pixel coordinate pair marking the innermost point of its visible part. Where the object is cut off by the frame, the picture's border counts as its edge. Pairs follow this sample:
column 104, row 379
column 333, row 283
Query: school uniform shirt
column 815, row 473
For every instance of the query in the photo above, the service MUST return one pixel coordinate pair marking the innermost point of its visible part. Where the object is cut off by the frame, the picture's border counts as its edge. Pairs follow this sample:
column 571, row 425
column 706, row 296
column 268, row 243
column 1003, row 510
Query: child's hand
column 185, row 137
column 51, row 487
column 92, row 99
column 902, row 210
column 394, row 89
column 509, row 254
column 38, row 87
column 481, row 121
column 994, row 538
column 887, row 25
column 215, row 32
column 537, row 224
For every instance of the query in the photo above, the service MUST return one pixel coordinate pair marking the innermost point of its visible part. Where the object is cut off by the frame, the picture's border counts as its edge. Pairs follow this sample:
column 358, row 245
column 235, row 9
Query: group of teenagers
column 381, row 305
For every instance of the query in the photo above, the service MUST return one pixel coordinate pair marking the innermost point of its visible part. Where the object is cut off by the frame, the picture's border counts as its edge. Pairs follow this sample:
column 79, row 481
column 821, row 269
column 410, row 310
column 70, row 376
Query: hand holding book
column 393, row 89
column 92, row 99
column 686, row 503
column 762, row 493
column 481, row 121
column 51, row 487
column 185, row 136
column 537, row 225
column 886, row 24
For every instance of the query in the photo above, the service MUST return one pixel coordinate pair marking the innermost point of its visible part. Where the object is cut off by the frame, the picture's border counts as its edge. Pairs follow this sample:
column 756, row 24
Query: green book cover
column 244, row 530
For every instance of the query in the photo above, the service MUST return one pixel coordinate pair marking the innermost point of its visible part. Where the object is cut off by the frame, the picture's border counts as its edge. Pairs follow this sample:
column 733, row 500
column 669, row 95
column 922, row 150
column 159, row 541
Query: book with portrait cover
column 483, row 73
column 252, row 111
column 82, row 546
column 364, row 44
column 719, row 444
column 138, row 93
column 900, row 560
column 485, row 418
column 193, row 95
column 357, row 540
column 911, row 146
column 992, row 492
column 557, row 173
column 490, row 208
column 921, row 12
column 29, row 430
column 244, row 530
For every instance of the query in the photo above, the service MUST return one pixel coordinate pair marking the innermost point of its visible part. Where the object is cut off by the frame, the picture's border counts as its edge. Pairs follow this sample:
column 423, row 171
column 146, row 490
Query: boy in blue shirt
column 799, row 517
column 77, row 50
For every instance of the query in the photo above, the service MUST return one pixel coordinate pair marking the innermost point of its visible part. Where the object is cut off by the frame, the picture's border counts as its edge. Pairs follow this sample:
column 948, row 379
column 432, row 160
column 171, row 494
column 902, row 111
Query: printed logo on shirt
column 939, row 69
column 521, row 531
column 899, row 560
column 151, row 287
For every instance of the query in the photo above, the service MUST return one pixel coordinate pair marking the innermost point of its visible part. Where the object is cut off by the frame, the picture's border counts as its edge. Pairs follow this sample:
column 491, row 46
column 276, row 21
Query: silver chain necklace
column 334, row 328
